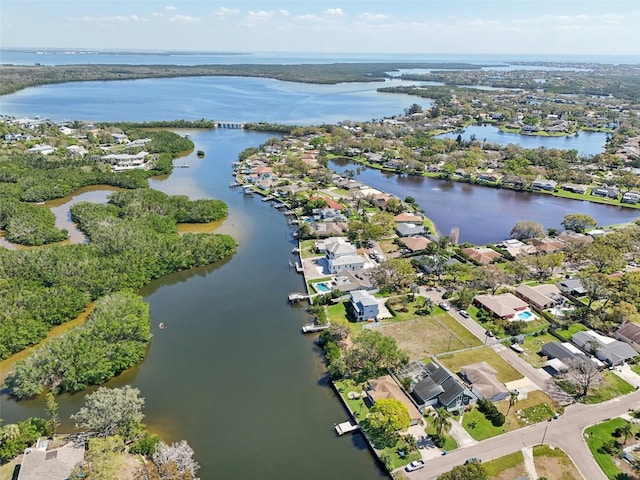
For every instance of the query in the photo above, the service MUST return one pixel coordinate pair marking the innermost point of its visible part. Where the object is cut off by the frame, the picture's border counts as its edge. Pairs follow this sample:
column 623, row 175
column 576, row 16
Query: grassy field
column 307, row 248
column 506, row 468
column 612, row 386
column 567, row 333
column 599, row 435
column 423, row 337
column 554, row 464
column 504, row 372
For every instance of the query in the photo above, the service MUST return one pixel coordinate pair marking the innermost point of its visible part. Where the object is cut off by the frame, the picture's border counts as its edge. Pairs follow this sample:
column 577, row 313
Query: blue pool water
column 322, row 287
column 525, row 315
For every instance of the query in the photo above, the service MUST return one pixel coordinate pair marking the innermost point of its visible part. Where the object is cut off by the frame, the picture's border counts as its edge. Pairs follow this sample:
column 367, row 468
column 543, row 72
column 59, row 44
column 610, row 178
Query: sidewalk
column 461, row 436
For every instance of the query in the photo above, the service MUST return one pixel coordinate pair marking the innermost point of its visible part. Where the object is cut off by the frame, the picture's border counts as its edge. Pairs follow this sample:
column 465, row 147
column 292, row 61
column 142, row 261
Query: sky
column 582, row 27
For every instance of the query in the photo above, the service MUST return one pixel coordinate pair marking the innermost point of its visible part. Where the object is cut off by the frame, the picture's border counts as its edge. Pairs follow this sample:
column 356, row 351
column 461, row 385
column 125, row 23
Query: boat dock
column 314, row 327
column 296, row 297
column 346, row 427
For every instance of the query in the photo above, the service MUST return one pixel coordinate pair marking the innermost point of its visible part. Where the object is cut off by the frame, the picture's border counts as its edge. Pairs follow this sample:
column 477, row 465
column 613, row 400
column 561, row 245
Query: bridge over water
column 221, row 124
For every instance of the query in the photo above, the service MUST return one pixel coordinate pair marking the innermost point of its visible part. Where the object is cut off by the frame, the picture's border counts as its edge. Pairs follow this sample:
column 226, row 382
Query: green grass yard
column 599, row 435
column 612, row 386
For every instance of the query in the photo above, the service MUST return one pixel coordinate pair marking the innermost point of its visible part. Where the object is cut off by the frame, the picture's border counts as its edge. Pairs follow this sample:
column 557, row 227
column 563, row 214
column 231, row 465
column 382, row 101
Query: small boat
column 161, row 326
column 200, row 153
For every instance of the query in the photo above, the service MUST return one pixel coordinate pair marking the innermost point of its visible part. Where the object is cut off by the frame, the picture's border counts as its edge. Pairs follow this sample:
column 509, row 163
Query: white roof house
column 364, row 306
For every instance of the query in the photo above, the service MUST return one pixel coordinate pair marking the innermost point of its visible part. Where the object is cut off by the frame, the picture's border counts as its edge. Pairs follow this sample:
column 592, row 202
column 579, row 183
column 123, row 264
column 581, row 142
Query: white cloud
column 170, row 7
column 308, row 18
column 334, row 11
column 284, row 13
column 260, row 14
column 157, row 14
column 116, row 18
column 372, row 16
column 184, row 19
column 225, row 12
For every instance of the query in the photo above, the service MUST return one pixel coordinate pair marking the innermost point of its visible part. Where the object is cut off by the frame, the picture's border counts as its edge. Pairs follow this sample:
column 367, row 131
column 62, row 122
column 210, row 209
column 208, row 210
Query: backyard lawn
column 505, row 372
column 569, row 332
column 532, row 346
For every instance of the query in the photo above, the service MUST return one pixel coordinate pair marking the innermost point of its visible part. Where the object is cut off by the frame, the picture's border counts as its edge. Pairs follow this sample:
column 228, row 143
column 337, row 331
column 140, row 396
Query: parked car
column 464, row 313
column 445, row 306
column 489, row 333
column 517, row 348
column 472, row 460
column 415, row 465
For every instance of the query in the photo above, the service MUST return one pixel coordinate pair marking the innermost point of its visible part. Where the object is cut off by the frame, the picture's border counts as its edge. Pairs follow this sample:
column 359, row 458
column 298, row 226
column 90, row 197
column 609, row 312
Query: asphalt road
column 565, row 433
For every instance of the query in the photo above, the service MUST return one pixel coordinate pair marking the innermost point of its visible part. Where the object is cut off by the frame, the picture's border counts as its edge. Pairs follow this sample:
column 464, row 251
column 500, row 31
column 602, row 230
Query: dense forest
column 115, row 337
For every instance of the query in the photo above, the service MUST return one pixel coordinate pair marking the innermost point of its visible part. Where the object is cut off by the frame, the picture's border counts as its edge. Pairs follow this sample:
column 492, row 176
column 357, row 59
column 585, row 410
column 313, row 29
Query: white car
column 415, row 465
column 445, row 306
column 464, row 313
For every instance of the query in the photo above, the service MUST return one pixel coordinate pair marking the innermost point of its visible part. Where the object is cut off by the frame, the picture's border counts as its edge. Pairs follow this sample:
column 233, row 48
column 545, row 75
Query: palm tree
column 626, row 429
column 513, row 398
column 441, row 420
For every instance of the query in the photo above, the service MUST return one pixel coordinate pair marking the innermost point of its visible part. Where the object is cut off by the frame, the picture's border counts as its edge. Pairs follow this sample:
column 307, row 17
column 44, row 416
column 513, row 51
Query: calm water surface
column 231, row 372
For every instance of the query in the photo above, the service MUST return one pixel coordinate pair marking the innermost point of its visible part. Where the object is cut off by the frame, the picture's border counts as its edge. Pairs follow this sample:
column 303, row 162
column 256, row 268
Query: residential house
column 434, row 385
column 386, row 387
column 77, row 150
column 481, row 255
column 559, row 354
column 415, row 244
column 408, row 218
column 575, row 188
column 547, row 245
column 629, row 333
column 542, row 184
column 505, row 305
column 342, row 256
column 488, row 177
column 609, row 350
column 541, row 297
column 409, row 229
column 40, row 462
column 363, row 306
column 119, row 138
column 630, row 197
column 572, row 286
column 264, row 173
column 606, row 192
column 515, row 247
column 42, row 149
column 482, row 378
column 126, row 161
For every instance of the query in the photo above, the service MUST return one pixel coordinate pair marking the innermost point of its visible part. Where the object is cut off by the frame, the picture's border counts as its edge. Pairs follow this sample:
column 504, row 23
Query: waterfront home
column 363, row 306
column 341, row 256
column 434, row 385
column 609, row 350
column 408, row 218
column 542, row 184
column 386, row 387
column 515, row 247
column 481, row 377
column 264, row 173
column 540, row 296
column 126, row 161
column 42, row 149
column 41, row 462
column 608, row 192
column 630, row 197
column 409, row 229
column 481, row 255
column 506, row 305
column 575, row 188
column 488, row 177
column 629, row 333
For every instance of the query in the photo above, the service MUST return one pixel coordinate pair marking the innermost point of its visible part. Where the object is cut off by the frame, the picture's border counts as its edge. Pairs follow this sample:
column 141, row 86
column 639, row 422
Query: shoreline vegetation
column 134, row 238
column 17, row 77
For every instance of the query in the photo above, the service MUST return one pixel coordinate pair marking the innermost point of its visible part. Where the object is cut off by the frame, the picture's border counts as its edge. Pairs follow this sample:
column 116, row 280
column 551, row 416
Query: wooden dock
column 346, row 427
column 314, row 327
column 296, row 297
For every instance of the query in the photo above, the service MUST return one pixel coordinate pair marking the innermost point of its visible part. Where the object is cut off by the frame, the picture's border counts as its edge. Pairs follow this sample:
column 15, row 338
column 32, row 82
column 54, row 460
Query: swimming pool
column 322, row 287
column 525, row 316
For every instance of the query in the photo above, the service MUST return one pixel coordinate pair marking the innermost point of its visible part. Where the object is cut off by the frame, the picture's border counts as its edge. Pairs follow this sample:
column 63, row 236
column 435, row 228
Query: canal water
column 230, row 372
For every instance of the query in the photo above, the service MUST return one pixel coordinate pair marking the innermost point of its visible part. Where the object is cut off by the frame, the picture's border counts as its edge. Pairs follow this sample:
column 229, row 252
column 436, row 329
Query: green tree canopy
column 578, row 222
column 372, row 354
column 527, row 229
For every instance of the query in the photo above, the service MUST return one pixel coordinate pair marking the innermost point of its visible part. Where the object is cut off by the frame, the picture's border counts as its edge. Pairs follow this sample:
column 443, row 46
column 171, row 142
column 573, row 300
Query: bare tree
column 582, row 374
column 179, row 456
